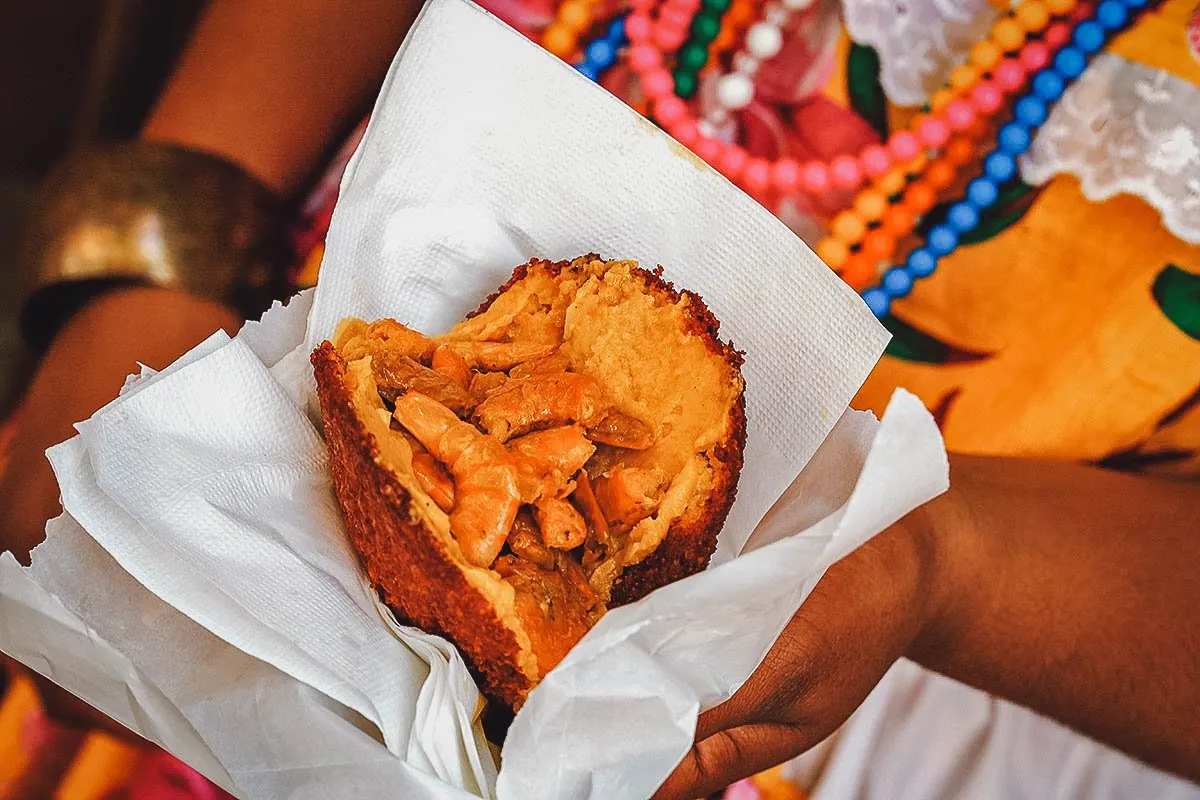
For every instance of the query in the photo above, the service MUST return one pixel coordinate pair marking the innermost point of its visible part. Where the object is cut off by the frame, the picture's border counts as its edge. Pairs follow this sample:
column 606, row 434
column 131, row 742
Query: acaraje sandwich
column 571, row 446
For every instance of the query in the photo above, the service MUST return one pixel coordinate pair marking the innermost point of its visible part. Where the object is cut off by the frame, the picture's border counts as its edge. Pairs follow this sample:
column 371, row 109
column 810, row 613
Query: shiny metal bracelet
column 141, row 213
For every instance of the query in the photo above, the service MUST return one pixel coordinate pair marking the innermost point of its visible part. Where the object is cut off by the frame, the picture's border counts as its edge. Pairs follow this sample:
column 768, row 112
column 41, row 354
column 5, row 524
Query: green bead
column 693, row 56
column 717, row 6
column 705, row 28
column 686, row 83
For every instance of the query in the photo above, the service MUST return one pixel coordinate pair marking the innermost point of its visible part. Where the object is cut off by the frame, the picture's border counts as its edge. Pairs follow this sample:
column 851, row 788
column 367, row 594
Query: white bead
column 777, row 16
column 764, row 41
column 796, row 5
column 735, row 91
column 745, row 63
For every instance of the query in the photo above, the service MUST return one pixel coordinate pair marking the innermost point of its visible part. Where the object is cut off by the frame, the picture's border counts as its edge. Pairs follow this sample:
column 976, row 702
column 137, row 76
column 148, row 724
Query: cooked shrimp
column 396, row 373
column 399, row 338
column 578, row 581
column 556, row 398
column 562, row 526
column 433, row 480
column 627, row 495
column 358, row 339
column 565, row 613
column 484, row 383
column 585, row 497
column 547, row 459
column 485, row 478
column 621, row 430
column 526, row 542
column 450, row 364
column 499, row 355
column 555, row 362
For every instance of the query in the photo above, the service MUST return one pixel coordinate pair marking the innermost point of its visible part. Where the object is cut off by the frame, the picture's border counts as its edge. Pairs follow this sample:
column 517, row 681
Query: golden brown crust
column 415, row 575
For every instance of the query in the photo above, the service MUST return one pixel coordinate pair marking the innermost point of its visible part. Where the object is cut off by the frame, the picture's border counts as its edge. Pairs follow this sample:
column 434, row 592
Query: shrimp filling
column 552, row 440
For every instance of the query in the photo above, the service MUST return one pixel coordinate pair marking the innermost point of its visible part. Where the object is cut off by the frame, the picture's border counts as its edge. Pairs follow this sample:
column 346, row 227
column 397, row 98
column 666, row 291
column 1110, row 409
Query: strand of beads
column 763, row 42
column 1013, row 140
column 846, row 249
column 693, row 54
column 601, row 53
column 856, row 250
column 671, row 28
column 786, row 176
column 740, row 16
column 561, row 37
column 867, row 233
column 988, row 90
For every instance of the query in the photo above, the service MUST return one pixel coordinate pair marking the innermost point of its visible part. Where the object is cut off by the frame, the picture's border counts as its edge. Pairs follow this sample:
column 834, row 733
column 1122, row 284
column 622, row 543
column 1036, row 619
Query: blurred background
column 74, row 71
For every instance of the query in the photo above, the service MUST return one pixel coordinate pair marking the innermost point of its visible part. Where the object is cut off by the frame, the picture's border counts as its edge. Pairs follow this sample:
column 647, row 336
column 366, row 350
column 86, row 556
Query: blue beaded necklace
column 1012, row 141
column 601, row 53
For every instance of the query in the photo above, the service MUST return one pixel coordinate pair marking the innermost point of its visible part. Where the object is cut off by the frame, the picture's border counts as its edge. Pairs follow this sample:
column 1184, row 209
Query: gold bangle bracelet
column 151, row 214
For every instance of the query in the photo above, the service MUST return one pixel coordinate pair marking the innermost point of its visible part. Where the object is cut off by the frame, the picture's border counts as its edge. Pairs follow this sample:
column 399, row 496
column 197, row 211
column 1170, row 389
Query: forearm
column 267, row 84
column 1075, row 592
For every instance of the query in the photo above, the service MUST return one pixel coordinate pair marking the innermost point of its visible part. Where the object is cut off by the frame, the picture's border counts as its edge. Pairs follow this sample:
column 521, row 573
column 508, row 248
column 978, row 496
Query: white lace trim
column 1126, row 127
column 919, row 41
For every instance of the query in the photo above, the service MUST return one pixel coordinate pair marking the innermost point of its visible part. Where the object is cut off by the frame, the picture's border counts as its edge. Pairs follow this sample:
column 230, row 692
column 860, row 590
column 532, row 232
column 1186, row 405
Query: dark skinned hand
column 820, row 669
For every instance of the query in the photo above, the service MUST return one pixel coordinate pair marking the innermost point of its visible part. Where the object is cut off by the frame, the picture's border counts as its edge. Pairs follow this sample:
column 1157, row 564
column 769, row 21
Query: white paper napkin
column 685, row 648
column 250, row 728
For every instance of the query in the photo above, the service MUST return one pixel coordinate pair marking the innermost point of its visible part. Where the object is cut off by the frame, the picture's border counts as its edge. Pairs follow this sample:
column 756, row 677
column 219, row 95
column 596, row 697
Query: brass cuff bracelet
column 141, row 213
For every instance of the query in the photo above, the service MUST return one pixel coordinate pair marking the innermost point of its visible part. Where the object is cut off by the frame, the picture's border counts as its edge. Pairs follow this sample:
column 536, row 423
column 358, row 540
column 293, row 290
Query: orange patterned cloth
column 1072, row 329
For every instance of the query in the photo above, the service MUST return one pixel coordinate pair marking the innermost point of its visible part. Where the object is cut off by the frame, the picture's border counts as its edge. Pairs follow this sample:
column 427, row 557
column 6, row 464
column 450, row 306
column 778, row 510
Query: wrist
column 945, row 526
column 152, row 322
column 891, row 574
column 104, row 342
column 142, row 213
column 88, row 361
